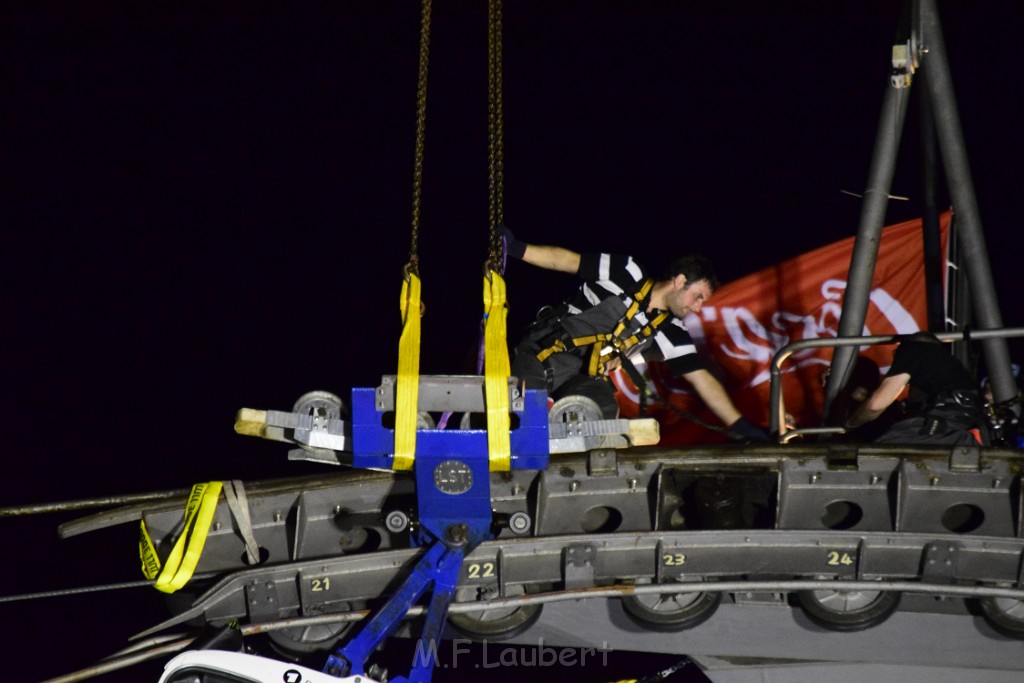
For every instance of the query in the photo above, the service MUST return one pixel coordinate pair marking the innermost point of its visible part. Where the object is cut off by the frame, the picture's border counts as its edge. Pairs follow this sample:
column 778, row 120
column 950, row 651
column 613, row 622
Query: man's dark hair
column 696, row 268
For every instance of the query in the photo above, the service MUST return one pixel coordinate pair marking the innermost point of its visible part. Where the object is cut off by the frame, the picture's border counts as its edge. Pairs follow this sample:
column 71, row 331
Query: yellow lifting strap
column 496, row 373
column 184, row 556
column 408, row 385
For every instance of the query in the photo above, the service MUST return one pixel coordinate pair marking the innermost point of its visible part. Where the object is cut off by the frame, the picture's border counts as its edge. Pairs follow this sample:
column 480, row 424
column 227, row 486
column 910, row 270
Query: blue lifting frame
column 453, row 498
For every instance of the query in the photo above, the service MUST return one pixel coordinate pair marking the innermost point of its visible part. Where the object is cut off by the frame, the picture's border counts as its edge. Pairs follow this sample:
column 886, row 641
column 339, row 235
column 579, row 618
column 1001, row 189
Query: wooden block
column 644, row 432
column 251, row 422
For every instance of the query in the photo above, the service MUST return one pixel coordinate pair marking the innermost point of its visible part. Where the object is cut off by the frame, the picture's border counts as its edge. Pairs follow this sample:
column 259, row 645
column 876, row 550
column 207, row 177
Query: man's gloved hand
column 748, row 432
column 513, row 247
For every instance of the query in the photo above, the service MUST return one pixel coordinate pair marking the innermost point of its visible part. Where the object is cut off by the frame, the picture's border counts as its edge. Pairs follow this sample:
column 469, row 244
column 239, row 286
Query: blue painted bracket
column 439, row 566
column 373, row 444
column 453, row 495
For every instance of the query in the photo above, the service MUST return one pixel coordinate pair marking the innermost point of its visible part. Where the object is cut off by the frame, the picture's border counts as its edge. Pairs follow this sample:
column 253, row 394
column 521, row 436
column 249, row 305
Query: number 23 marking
column 674, row 559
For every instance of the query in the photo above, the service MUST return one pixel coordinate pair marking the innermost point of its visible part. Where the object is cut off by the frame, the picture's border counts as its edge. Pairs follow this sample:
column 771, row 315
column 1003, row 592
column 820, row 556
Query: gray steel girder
column 931, row 491
column 698, row 558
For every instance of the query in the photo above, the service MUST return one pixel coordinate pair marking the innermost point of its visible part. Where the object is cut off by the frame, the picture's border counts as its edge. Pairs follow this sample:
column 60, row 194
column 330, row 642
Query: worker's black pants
column 563, row 374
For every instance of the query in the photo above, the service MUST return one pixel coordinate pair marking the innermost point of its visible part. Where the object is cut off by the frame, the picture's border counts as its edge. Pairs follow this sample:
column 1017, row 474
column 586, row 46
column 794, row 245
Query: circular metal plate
column 453, row 477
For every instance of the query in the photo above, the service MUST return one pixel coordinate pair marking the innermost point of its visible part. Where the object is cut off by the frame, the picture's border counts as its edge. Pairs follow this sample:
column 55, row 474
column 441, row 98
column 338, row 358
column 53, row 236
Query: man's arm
column 551, row 258
column 880, row 399
column 713, row 394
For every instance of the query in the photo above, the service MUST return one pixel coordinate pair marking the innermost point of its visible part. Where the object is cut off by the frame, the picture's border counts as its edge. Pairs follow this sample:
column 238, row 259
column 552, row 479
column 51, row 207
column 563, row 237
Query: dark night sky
column 208, row 207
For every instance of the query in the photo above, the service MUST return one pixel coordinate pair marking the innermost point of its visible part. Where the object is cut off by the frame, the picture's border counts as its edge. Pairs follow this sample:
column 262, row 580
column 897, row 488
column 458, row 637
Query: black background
column 207, row 206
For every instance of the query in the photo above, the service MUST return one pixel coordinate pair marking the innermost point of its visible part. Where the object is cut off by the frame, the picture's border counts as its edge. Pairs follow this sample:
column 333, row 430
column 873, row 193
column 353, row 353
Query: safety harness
column 607, row 345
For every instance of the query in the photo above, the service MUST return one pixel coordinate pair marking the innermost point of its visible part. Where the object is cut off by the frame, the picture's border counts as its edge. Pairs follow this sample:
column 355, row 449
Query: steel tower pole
column 970, row 236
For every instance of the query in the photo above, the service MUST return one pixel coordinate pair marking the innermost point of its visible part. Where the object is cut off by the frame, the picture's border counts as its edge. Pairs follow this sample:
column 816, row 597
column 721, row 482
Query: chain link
column 413, row 266
column 496, row 171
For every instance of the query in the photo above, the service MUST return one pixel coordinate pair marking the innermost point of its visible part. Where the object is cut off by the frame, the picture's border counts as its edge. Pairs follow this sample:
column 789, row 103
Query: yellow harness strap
column 181, row 562
column 598, row 342
column 557, row 347
column 496, row 373
column 597, row 358
column 641, row 294
column 408, row 386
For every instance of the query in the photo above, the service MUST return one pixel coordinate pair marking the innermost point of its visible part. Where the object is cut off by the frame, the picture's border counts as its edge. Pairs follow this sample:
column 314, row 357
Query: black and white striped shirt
column 614, row 275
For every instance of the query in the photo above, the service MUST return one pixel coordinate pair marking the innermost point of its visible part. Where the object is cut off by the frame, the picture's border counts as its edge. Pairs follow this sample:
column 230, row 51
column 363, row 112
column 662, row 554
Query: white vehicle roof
column 215, row 666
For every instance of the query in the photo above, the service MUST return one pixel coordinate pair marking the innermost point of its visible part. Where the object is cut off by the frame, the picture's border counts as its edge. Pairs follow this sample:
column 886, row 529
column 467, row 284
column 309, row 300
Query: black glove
column 748, row 432
column 513, row 247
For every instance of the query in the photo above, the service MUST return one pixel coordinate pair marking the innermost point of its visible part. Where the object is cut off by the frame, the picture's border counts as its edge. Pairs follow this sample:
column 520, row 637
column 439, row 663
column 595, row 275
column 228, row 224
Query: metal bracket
column 321, row 432
column 455, row 393
column 759, row 598
column 842, row 454
column 940, row 562
column 438, row 567
column 965, row 459
column 315, row 431
column 261, row 598
column 583, row 435
column 578, row 565
column 602, row 463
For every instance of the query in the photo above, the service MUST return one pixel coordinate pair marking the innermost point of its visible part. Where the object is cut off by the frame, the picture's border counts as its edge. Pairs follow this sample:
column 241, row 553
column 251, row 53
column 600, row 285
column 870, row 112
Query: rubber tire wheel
column 695, row 609
column 1005, row 615
column 816, row 607
column 500, row 628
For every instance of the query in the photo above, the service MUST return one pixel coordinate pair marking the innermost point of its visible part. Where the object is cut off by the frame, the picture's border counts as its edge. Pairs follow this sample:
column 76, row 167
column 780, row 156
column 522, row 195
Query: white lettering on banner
column 746, row 349
column 749, row 340
column 894, row 312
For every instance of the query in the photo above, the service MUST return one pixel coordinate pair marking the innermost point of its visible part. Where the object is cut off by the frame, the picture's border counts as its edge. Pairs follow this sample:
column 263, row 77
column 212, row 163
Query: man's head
column 696, row 268
column 688, row 283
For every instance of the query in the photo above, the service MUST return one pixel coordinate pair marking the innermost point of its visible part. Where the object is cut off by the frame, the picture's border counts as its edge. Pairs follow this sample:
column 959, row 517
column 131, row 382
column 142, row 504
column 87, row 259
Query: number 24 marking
column 835, row 559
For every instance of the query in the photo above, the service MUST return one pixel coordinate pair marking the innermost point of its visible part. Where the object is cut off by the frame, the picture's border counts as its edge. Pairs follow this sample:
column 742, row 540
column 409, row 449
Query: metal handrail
column 777, row 422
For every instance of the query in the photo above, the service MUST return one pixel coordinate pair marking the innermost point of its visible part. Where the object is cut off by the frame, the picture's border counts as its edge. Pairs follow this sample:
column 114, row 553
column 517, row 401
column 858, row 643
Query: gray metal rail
column 777, row 422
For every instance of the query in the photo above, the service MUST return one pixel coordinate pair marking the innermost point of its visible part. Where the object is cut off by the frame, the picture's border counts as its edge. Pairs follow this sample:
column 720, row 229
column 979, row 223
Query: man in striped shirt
column 619, row 311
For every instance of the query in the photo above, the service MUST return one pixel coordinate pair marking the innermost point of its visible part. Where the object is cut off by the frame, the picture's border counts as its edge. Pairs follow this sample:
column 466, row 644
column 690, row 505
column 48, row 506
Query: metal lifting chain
column 413, row 266
column 496, row 175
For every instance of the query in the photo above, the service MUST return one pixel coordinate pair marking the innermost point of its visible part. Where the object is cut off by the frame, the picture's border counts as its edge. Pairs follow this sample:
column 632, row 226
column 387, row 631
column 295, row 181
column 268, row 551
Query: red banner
column 750, row 319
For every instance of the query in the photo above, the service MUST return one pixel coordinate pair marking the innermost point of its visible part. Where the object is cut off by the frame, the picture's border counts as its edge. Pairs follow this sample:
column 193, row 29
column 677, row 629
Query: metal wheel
column 671, row 611
column 493, row 624
column 321, row 404
column 298, row 641
column 839, row 610
column 1005, row 615
column 574, row 409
